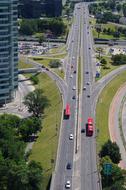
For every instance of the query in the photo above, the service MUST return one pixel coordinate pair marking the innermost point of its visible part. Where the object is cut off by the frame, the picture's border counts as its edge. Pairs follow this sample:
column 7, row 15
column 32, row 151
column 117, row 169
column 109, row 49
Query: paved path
column 114, row 122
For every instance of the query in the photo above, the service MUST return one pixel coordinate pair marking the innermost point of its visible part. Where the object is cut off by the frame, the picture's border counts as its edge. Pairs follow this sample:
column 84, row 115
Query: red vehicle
column 67, row 111
column 90, row 126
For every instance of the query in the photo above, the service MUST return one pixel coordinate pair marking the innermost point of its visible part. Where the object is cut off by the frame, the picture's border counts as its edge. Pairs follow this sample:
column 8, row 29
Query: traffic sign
column 107, row 168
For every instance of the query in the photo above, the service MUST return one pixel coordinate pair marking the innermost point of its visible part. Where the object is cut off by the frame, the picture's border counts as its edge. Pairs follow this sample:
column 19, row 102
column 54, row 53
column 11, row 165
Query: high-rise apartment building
column 8, row 50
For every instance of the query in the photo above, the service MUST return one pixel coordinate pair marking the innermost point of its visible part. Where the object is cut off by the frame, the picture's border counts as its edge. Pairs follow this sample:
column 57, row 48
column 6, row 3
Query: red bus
column 67, row 111
column 90, row 126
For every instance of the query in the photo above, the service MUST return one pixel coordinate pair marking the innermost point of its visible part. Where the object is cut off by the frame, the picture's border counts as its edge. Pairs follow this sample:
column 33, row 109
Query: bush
column 34, row 79
column 54, row 63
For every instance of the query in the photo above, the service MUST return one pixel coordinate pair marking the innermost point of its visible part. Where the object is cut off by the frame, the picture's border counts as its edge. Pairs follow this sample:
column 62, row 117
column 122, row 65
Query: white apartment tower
column 8, row 50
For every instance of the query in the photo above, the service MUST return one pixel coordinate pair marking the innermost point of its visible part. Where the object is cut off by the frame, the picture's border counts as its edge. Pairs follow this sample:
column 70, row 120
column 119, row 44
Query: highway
column 67, row 147
column 89, row 174
column 84, row 174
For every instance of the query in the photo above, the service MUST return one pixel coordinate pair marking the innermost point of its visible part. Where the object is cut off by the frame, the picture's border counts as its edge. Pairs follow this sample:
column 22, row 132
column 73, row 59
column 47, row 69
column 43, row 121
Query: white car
column 71, row 137
column 73, row 57
column 74, row 88
column 71, row 76
column 84, row 88
column 68, row 185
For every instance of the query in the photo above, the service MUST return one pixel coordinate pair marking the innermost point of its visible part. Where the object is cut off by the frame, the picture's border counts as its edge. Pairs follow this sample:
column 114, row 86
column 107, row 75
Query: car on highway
column 69, row 166
column 71, row 137
column 84, row 88
column 74, row 72
column 74, row 97
column 73, row 57
column 89, row 48
column 71, row 76
column 68, row 185
column 47, row 69
column 87, row 72
column 74, row 88
column 82, row 130
column 88, row 83
column 88, row 95
column 43, row 66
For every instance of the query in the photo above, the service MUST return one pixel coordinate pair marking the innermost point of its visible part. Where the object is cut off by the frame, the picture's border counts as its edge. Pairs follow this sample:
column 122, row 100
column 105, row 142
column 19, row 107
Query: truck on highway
column 90, row 126
column 67, row 112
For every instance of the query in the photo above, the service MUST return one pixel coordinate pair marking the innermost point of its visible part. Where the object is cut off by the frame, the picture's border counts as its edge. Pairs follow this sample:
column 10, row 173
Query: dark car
column 89, row 48
column 74, row 71
column 87, row 72
column 74, row 97
column 69, row 166
column 82, row 130
column 43, row 66
column 47, row 69
column 88, row 96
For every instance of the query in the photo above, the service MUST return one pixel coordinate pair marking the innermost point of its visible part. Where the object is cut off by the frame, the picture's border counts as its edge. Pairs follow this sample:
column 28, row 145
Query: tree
column 119, row 59
column 54, row 63
column 34, row 79
column 119, row 7
column 8, row 120
column 103, row 61
column 35, row 175
column 36, row 102
column 124, row 9
column 98, row 29
column 41, row 38
column 111, row 149
column 29, row 127
column 116, row 176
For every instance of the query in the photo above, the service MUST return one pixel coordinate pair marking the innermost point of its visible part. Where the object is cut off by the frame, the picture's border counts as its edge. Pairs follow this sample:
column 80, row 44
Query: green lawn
column 102, row 109
column 109, row 65
column 23, row 65
column 45, row 62
column 103, row 35
column 45, row 148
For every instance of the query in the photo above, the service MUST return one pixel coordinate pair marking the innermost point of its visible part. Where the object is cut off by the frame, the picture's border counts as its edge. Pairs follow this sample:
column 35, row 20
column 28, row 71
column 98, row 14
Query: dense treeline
column 15, row 173
column 103, row 11
column 113, row 178
column 30, row 27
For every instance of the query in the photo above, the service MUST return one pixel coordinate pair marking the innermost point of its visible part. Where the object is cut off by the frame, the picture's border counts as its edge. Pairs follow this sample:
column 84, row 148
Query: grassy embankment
column 112, row 26
column 45, row 61
column 102, row 109
column 45, row 148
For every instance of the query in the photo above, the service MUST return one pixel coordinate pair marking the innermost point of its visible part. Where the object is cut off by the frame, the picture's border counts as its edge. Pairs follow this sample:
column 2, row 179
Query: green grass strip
column 45, row 148
column 102, row 108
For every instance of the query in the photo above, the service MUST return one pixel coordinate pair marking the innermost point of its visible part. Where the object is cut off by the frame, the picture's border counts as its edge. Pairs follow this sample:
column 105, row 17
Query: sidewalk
column 16, row 106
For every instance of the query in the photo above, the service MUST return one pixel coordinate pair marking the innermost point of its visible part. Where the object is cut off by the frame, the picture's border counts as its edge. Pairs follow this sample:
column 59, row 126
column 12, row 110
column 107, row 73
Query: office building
column 39, row 8
column 8, row 50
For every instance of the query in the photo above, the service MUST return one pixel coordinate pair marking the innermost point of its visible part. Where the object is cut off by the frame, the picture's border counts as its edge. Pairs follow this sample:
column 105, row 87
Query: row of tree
column 116, row 32
column 15, row 173
column 110, row 5
column 110, row 154
column 32, row 26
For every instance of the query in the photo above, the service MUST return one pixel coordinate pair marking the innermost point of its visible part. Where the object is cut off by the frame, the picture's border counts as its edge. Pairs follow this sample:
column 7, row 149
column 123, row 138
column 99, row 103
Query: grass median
column 45, row 148
column 102, row 108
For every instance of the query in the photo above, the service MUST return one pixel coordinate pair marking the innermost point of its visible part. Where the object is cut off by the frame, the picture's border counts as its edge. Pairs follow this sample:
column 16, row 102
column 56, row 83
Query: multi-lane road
column 79, row 49
column 66, row 146
column 84, row 174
